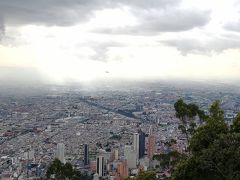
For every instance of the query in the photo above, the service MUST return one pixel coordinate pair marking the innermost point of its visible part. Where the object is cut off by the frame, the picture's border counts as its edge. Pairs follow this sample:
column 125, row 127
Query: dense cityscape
column 119, row 90
column 110, row 134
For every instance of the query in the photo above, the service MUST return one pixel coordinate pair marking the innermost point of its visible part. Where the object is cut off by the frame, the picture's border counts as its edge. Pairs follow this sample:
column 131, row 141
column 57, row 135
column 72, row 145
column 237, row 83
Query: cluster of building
column 109, row 133
column 114, row 165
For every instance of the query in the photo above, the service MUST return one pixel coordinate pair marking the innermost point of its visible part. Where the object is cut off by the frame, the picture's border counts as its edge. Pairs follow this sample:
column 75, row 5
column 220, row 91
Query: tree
column 62, row 171
column 78, row 176
column 144, row 175
column 169, row 160
column 215, row 150
column 55, row 168
column 220, row 161
column 186, row 113
column 207, row 133
column 68, row 170
column 216, row 112
column 181, row 113
column 236, row 124
column 202, row 116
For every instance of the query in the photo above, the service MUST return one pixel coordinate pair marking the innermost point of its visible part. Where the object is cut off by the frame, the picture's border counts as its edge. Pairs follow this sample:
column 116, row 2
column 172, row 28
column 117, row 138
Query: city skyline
column 78, row 126
column 89, row 40
column 119, row 89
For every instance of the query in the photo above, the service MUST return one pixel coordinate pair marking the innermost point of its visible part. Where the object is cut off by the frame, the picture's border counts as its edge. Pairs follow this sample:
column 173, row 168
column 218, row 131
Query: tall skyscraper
column 86, row 154
column 151, row 146
column 60, row 152
column 122, row 170
column 141, row 144
column 136, row 144
column 150, row 130
column 100, row 166
column 131, row 156
column 115, row 155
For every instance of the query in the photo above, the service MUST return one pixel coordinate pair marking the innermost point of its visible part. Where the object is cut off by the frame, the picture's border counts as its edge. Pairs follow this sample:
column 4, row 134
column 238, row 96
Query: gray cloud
column 172, row 20
column 2, row 28
column 53, row 12
column 100, row 48
column 154, row 16
column 64, row 12
column 150, row 3
column 162, row 20
column 194, row 46
column 43, row 12
column 233, row 26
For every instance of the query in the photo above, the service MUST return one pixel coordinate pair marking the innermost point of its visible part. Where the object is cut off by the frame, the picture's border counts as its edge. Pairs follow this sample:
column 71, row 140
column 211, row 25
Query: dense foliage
column 186, row 114
column 62, row 171
column 214, row 148
column 144, row 175
column 116, row 137
column 168, row 161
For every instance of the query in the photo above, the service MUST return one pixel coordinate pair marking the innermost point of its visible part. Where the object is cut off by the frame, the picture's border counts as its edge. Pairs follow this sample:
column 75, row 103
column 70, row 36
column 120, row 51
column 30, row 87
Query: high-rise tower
column 151, row 143
column 136, row 144
column 100, row 166
column 61, row 152
column 131, row 156
column 86, row 154
column 141, row 144
column 122, row 170
column 150, row 130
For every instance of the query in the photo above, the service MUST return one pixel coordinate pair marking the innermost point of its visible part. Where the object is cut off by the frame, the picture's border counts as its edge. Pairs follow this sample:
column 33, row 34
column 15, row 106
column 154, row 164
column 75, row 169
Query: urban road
column 123, row 113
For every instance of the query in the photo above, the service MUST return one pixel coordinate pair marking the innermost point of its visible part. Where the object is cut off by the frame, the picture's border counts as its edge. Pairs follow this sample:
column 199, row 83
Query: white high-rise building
column 136, row 144
column 131, row 156
column 61, row 152
column 116, row 154
column 150, row 130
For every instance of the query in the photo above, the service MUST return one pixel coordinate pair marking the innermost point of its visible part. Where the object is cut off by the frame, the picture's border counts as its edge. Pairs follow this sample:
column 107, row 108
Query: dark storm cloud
column 206, row 47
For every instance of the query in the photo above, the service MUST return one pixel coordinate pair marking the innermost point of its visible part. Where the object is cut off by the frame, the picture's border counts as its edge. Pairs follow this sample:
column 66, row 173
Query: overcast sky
column 88, row 39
